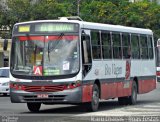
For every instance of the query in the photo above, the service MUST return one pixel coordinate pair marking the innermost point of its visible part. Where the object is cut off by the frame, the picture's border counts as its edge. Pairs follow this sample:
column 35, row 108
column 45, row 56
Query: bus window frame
column 119, row 47
column 86, row 52
column 138, row 56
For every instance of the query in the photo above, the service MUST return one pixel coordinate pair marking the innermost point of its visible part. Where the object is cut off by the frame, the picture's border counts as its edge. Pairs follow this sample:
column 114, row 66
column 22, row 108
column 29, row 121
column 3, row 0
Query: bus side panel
column 108, row 90
column 113, row 90
column 127, row 91
column 87, row 93
column 120, row 89
column 123, row 89
column 146, row 86
column 105, row 92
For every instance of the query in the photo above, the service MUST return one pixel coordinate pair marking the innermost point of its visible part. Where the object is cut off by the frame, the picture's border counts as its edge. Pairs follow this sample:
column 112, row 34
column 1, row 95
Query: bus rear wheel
column 132, row 100
column 34, row 107
column 94, row 104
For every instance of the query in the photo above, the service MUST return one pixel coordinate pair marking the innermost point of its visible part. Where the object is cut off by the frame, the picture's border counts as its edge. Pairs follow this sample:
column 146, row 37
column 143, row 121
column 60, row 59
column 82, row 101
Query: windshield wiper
column 51, row 48
column 48, row 53
column 35, row 54
column 60, row 36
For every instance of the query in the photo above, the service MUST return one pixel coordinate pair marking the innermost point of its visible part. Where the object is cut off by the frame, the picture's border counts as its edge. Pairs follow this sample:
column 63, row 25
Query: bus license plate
column 42, row 96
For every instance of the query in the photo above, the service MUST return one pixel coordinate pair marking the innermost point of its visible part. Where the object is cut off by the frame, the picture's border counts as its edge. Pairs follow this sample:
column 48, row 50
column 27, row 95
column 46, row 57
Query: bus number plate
column 42, row 96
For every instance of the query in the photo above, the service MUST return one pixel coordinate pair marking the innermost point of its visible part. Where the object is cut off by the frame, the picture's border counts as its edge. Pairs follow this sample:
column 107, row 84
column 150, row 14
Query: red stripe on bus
column 87, row 93
column 118, row 89
column 113, row 90
column 124, row 89
column 108, row 90
column 46, row 38
column 54, row 38
column 27, row 38
column 146, row 85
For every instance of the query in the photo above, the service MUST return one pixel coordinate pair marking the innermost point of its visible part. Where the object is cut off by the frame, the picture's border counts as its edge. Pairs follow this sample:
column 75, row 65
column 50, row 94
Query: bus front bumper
column 65, row 96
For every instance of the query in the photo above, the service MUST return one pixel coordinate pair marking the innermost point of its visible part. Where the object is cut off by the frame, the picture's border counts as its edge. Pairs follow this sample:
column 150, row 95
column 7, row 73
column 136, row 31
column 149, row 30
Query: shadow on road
column 1, row 95
column 78, row 109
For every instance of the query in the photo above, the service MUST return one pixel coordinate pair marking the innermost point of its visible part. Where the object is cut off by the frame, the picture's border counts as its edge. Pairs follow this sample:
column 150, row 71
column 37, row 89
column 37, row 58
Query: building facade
column 4, row 55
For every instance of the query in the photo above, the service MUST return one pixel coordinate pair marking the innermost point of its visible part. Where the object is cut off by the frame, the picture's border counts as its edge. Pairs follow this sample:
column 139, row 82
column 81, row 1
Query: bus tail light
column 158, row 73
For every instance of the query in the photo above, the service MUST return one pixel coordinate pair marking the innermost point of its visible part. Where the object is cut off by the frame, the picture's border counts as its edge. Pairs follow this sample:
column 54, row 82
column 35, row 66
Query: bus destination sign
column 45, row 27
column 54, row 27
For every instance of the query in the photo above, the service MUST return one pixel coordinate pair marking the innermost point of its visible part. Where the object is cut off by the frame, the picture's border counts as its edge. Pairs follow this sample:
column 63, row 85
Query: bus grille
column 54, row 88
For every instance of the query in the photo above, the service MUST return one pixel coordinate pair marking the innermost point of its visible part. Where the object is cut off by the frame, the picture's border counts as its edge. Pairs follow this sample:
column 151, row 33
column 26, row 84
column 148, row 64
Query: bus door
column 86, row 52
column 158, row 59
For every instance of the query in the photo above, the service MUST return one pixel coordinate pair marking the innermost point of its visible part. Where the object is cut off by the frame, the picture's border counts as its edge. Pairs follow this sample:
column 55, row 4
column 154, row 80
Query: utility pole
column 78, row 11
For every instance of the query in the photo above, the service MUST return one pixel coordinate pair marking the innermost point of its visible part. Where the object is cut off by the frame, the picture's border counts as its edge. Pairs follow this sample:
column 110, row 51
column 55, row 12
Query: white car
column 4, row 80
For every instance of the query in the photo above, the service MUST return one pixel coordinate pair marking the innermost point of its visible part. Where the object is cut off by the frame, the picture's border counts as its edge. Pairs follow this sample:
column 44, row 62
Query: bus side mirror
column 5, row 44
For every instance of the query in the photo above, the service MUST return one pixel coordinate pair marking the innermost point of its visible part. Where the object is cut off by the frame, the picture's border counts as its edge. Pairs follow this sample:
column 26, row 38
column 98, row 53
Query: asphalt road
column 147, row 107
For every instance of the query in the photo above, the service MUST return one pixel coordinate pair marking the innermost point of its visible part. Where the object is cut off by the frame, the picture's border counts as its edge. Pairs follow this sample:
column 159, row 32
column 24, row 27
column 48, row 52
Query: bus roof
column 98, row 26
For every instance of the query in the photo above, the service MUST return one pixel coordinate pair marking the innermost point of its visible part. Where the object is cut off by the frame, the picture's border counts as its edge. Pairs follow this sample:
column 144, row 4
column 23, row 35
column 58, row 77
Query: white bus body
column 113, row 62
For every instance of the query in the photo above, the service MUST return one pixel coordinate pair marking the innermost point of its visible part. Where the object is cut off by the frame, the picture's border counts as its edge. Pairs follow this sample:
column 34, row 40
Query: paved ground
column 148, row 106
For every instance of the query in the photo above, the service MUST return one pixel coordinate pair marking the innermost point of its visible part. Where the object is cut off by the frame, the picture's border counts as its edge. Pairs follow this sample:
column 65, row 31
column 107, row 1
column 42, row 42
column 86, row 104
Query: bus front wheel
column 94, row 104
column 33, row 107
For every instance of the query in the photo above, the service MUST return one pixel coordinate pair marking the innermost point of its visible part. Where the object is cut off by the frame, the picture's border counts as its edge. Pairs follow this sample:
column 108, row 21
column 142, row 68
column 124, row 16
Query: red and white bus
column 158, row 59
column 72, row 61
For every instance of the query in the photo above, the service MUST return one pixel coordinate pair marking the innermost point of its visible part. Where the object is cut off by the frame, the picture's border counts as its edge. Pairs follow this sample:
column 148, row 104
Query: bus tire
column 94, row 104
column 34, row 107
column 133, row 98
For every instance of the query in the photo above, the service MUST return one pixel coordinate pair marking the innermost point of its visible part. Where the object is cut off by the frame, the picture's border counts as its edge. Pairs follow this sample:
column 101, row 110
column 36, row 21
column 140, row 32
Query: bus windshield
column 158, row 56
column 45, row 55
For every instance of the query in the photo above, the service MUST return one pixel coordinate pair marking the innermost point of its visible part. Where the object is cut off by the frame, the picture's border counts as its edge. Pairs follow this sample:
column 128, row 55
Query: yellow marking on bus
column 24, row 28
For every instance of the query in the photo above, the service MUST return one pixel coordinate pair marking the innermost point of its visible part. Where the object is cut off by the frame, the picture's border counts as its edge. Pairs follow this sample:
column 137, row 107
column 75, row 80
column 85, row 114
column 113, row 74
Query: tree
column 15, row 11
column 121, row 12
column 49, row 9
column 97, row 11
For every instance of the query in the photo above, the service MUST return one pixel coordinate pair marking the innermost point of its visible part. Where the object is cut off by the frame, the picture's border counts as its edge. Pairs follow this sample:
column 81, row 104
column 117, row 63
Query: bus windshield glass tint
column 45, row 55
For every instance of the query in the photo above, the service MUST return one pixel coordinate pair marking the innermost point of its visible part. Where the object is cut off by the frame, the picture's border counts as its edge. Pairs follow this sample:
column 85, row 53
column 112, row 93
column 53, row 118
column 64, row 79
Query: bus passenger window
column 135, row 49
column 126, row 45
column 106, row 45
column 96, row 45
column 144, row 47
column 117, row 52
column 150, row 47
column 96, row 52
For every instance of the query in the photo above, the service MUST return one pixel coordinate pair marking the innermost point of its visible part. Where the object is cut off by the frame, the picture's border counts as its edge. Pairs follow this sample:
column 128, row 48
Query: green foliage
column 139, row 14
column 49, row 9
column 98, row 11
